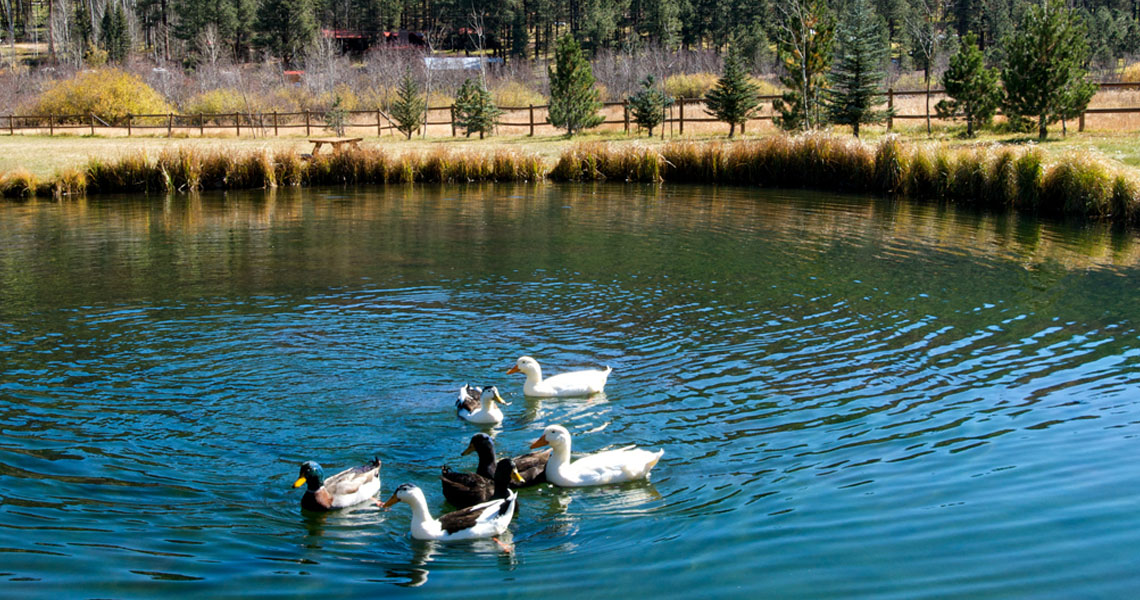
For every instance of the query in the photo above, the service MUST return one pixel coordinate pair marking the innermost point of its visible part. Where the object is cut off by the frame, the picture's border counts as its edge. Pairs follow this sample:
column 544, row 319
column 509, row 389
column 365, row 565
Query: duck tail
column 375, row 462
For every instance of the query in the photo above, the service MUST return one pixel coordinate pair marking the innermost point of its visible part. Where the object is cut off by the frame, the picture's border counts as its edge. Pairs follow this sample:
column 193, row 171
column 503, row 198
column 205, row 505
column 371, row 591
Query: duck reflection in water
column 416, row 572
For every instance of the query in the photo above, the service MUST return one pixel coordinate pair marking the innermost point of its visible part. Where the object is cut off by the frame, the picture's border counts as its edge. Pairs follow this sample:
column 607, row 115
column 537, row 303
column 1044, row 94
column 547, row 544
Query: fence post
column 169, row 124
column 531, row 120
column 11, row 125
column 201, row 125
column 128, row 124
column 625, row 109
column 379, row 132
column 452, row 111
column 274, row 123
column 51, row 123
column 681, row 118
column 890, row 108
column 237, row 123
column 1081, row 123
column 307, row 122
column 92, row 116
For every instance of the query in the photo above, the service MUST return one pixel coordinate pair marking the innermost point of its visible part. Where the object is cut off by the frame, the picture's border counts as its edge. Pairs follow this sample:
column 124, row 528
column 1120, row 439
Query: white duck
column 575, row 383
column 484, row 520
column 611, row 466
column 471, row 407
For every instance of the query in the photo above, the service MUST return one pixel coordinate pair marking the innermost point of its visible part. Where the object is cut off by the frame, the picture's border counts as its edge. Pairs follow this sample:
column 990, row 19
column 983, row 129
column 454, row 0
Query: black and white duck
column 471, row 407
column 484, row 520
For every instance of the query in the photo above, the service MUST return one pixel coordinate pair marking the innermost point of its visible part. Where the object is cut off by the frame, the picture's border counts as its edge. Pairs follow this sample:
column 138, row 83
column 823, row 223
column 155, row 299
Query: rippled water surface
column 856, row 399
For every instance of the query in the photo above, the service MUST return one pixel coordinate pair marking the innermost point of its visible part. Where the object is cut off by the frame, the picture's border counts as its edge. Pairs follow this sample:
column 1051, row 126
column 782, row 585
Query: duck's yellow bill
column 516, row 477
column 470, row 448
column 300, row 482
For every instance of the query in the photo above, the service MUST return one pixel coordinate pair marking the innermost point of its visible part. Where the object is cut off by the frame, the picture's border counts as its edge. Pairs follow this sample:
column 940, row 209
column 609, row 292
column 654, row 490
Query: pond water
column 856, row 398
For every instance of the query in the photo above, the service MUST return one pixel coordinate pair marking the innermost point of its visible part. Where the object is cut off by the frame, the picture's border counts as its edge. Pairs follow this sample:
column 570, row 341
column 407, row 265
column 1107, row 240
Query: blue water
column 856, row 398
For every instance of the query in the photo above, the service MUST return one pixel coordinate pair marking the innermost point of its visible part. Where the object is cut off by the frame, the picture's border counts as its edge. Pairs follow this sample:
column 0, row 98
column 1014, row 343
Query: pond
column 856, row 398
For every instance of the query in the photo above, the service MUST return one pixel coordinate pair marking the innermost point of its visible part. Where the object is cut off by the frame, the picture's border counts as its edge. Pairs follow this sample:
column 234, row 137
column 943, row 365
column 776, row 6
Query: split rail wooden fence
column 526, row 118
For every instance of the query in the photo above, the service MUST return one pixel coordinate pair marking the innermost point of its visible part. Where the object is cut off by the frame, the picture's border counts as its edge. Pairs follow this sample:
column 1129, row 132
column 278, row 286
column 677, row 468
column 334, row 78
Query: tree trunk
column 1042, row 132
column 969, row 127
column 731, row 129
column 855, row 128
column 927, row 76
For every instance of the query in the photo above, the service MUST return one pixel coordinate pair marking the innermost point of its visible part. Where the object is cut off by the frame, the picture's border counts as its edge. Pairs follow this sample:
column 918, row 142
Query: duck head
column 405, row 493
column 312, row 474
column 527, row 366
column 555, row 436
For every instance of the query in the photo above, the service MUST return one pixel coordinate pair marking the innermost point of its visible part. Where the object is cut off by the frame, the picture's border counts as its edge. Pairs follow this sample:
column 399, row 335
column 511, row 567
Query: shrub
column 18, row 184
column 1131, row 73
column 690, row 85
column 515, row 94
column 109, row 93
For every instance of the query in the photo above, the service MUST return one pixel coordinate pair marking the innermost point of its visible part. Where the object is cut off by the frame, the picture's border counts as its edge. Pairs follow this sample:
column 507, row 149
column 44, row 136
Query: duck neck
column 420, row 512
column 560, row 455
column 533, row 378
column 486, row 466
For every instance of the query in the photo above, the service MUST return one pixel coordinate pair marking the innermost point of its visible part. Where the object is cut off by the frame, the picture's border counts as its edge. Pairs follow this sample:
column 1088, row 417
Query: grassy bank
column 1001, row 177
column 996, row 177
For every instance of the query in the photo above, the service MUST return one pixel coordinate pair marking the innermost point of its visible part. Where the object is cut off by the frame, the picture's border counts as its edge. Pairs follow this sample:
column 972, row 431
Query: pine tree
column 286, row 27
column 337, row 117
column 734, row 99
column 805, row 39
column 114, row 34
column 1044, row 73
column 409, row 106
column 475, row 109
column 857, row 77
column 648, row 104
column 574, row 101
column 973, row 88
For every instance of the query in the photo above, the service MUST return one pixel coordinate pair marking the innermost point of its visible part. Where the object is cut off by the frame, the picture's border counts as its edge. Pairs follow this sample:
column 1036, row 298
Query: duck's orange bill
column 390, row 502
column 514, row 369
column 540, row 442
column 300, row 482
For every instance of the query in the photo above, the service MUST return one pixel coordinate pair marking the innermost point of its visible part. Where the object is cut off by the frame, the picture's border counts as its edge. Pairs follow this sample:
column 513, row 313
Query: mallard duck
column 611, row 466
column 471, row 407
column 483, row 520
column 350, row 486
column 465, row 489
column 575, row 383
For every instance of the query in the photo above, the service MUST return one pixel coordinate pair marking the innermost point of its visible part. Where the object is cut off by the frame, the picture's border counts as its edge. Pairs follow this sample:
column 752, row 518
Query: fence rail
column 267, row 123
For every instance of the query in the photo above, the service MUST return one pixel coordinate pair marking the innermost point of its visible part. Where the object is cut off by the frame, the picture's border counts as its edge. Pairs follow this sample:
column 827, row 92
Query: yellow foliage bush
column 1131, row 73
column 690, row 85
column 219, row 101
column 109, row 93
column 516, row 93
column 348, row 98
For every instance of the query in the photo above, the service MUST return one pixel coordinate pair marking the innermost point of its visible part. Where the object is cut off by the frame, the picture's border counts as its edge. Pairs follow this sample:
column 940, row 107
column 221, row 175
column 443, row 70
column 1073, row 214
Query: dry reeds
column 982, row 176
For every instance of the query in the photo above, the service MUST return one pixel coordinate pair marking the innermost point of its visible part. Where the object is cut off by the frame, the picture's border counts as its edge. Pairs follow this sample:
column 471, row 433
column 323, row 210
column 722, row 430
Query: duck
column 484, row 520
column 611, row 466
column 465, row 489
column 574, row 383
column 471, row 407
column 349, row 487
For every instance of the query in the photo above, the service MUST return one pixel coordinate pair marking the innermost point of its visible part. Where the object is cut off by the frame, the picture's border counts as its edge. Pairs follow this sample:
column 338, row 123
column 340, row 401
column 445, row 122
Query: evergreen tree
column 337, row 117
column 519, row 39
column 734, row 99
column 286, row 27
column 475, row 109
column 648, row 104
column 973, row 88
column 114, row 34
column 574, row 101
column 662, row 21
column 409, row 106
column 805, row 39
column 1044, row 73
column 857, row 78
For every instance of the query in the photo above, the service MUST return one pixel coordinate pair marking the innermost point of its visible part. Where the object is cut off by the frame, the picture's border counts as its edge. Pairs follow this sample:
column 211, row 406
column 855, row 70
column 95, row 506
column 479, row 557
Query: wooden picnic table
column 336, row 142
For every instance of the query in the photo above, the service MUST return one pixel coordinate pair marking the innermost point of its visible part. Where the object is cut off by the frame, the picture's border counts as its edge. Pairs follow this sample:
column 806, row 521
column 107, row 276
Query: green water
column 857, row 399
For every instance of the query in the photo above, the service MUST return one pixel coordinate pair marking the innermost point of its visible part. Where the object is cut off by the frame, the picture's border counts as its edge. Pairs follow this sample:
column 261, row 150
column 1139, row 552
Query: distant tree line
column 186, row 30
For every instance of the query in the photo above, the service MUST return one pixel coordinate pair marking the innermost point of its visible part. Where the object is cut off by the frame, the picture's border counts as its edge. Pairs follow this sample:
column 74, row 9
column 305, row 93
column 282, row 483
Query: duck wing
column 470, row 399
column 350, row 480
column 532, row 467
column 464, row 489
column 468, row 518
